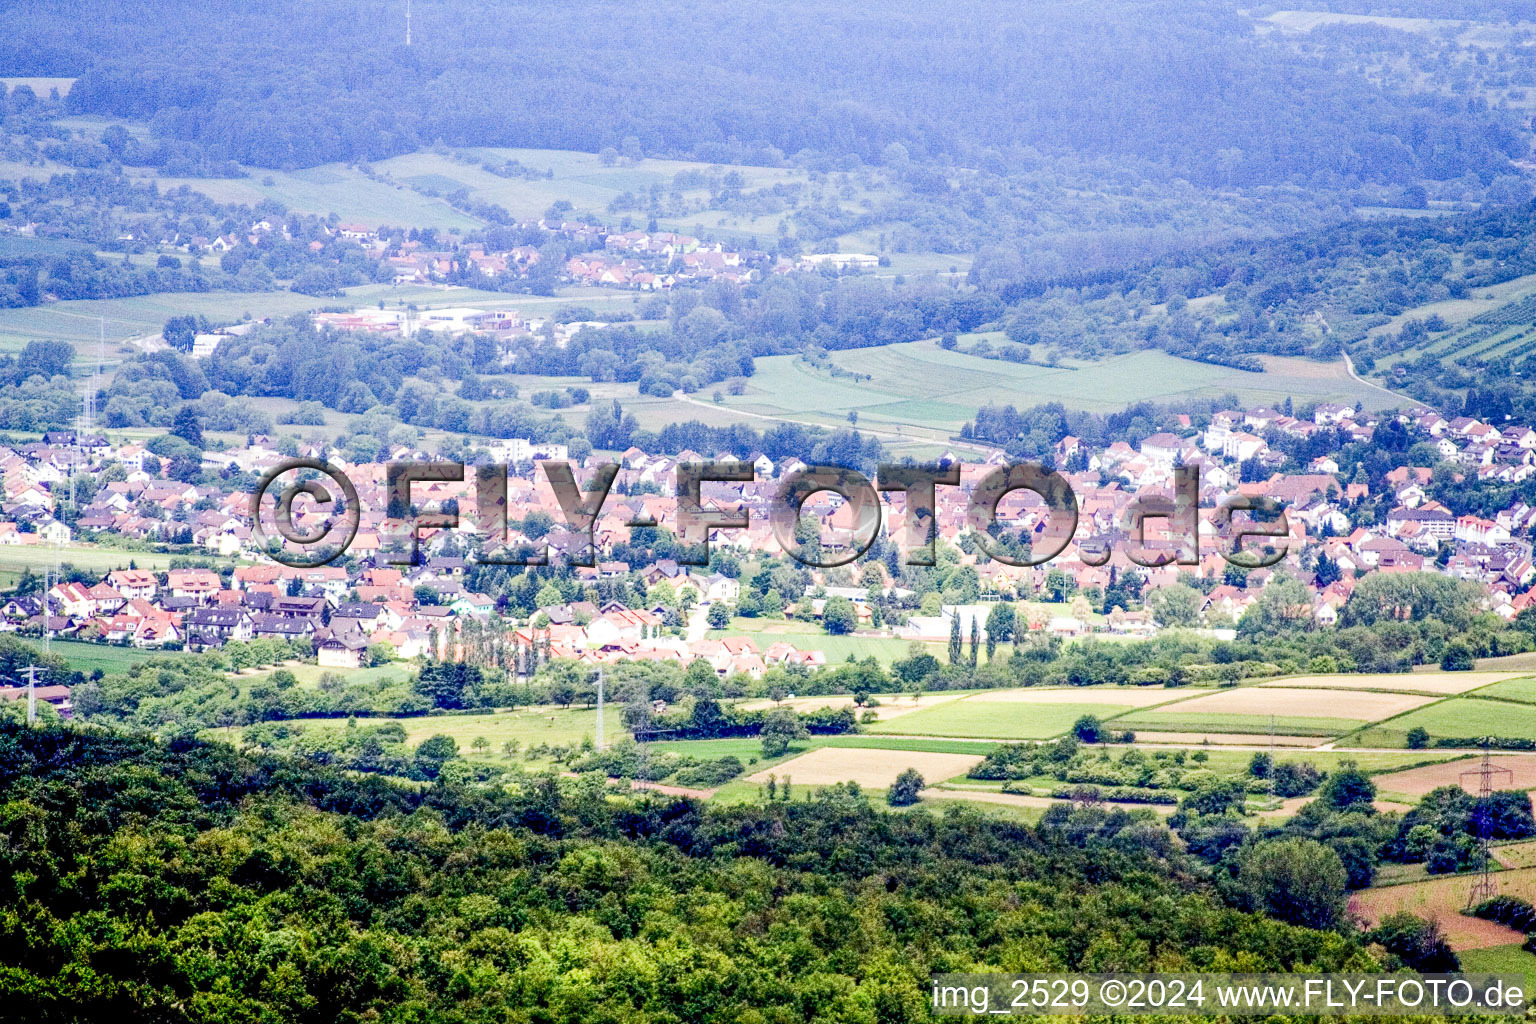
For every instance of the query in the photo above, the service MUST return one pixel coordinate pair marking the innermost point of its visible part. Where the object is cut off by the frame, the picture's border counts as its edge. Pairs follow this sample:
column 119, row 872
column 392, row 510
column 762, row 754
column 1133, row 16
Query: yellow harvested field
column 1258, row 741
column 1421, row 682
column 1442, row 899
column 1418, row 781
column 1132, row 696
column 877, row 769
column 1293, row 703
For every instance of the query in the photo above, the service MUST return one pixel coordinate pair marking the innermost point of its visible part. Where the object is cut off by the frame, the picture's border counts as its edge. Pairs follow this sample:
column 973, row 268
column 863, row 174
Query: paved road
column 1349, row 366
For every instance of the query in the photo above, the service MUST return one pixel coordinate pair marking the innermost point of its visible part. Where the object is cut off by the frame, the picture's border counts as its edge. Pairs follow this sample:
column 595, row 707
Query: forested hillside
column 1186, row 85
column 191, row 883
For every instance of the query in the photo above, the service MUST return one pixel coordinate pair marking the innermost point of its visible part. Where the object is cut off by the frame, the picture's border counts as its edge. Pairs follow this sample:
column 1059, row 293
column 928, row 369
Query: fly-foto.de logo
column 326, row 523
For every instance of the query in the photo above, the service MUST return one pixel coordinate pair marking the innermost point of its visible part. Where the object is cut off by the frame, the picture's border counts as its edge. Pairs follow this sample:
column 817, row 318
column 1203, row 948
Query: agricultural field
column 1458, row 717
column 1416, row 782
column 127, row 322
column 890, row 705
column 1441, row 683
column 1510, row 959
column 1516, row 855
column 528, row 726
column 1442, row 899
column 590, row 187
column 331, row 188
column 901, row 393
column 1111, row 696
column 877, row 769
column 1203, row 737
column 79, row 321
column 884, row 649
column 1522, row 690
column 87, row 657
column 309, row 675
column 1495, row 321
column 997, row 719
column 14, row 559
column 1259, row 710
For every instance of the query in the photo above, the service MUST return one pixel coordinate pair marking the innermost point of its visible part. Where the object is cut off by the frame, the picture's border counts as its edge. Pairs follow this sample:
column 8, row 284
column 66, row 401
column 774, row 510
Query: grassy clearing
column 309, row 675
column 40, row 86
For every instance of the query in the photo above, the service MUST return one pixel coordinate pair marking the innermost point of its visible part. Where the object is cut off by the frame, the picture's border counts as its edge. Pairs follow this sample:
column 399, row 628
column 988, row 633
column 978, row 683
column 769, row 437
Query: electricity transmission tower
column 1483, row 887
column 31, row 671
column 600, row 744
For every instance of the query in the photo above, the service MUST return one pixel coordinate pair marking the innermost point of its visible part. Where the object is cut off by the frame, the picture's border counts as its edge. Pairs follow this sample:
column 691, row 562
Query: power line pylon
column 1484, row 888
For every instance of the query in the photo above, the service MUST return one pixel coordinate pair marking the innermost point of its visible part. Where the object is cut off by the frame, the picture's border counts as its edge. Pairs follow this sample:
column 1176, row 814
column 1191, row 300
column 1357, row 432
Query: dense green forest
column 1189, row 85
column 186, row 882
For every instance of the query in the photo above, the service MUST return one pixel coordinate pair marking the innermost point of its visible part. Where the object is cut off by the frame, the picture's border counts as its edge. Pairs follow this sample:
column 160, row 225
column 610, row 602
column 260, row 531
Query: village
column 363, row 608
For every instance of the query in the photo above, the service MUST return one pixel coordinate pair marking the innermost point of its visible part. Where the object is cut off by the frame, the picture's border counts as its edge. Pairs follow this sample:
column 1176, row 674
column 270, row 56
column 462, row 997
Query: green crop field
column 84, row 657
column 1520, row 690
column 902, row 391
column 333, row 188
column 79, row 321
column 1459, row 717
column 994, row 719
column 1188, row 721
column 89, row 557
column 1510, row 959
column 529, row 726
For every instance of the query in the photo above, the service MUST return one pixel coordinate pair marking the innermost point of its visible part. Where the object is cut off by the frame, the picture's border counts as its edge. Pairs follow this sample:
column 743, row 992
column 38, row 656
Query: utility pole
column 1483, row 887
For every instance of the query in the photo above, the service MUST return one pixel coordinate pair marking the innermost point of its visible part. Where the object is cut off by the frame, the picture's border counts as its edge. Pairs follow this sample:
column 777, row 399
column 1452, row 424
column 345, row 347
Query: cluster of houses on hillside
column 601, row 256
column 365, row 600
